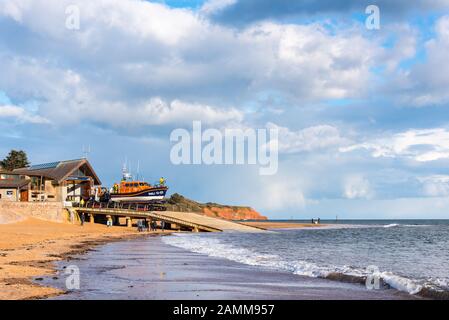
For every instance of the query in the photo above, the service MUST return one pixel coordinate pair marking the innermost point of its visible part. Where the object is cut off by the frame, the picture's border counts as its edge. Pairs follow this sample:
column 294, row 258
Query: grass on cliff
column 178, row 202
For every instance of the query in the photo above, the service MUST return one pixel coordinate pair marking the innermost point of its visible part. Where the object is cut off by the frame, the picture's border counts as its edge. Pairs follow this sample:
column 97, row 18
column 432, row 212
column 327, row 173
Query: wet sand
column 281, row 225
column 147, row 268
column 28, row 249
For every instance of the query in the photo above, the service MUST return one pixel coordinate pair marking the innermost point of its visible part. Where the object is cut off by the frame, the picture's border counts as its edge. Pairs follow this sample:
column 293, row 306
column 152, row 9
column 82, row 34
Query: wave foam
column 391, row 225
column 215, row 248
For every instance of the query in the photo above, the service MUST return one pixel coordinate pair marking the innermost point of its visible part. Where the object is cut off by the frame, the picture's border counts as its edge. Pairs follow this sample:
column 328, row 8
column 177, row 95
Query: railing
column 142, row 208
column 118, row 205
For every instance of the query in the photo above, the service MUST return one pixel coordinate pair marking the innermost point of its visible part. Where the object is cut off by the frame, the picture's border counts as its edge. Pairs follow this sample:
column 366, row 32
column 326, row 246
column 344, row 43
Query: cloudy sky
column 363, row 115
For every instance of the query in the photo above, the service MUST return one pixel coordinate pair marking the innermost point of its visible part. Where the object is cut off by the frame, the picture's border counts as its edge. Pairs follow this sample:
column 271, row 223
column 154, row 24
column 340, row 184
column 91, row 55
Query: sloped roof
column 7, row 183
column 59, row 170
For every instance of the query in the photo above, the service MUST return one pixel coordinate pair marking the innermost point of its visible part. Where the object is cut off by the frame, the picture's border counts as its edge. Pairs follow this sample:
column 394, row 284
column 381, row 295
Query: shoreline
column 30, row 249
column 273, row 225
column 148, row 268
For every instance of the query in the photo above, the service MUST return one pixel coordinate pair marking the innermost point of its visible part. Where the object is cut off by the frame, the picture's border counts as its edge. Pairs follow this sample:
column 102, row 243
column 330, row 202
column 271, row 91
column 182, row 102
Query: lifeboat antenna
column 86, row 151
column 125, row 174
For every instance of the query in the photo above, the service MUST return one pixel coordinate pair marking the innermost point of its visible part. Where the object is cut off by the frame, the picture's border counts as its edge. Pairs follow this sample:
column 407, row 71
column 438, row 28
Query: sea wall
column 17, row 211
column 233, row 213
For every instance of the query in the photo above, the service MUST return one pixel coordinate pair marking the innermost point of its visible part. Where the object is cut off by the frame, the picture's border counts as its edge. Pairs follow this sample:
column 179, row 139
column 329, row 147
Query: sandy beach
column 280, row 225
column 29, row 249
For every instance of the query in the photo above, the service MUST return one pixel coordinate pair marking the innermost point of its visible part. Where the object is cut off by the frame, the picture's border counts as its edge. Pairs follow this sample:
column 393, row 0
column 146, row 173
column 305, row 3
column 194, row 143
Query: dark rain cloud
column 248, row 11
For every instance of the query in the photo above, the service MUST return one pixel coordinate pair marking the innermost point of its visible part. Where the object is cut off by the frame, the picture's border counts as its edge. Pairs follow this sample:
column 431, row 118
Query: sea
column 408, row 255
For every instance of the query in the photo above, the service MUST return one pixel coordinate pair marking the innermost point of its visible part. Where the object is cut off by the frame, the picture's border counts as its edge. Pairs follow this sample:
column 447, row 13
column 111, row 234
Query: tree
column 15, row 159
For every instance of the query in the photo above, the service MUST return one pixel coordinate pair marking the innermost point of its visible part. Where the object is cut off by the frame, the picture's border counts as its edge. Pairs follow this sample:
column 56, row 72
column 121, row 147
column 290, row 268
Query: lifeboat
column 137, row 191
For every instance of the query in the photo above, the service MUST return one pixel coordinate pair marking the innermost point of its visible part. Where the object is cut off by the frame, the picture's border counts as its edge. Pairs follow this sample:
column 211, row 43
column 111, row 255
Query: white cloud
column 356, row 187
column 313, row 63
column 278, row 195
column 308, row 139
column 426, row 83
column 159, row 112
column 435, row 185
column 128, row 52
column 20, row 114
column 213, row 6
column 420, row 145
column 404, row 47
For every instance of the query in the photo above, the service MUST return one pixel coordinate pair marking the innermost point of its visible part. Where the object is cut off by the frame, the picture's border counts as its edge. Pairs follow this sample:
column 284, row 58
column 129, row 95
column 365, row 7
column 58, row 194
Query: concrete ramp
column 189, row 220
column 216, row 223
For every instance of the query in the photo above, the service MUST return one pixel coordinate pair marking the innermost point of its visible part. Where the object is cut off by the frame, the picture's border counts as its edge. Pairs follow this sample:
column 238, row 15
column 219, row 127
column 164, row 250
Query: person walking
column 82, row 219
column 162, row 225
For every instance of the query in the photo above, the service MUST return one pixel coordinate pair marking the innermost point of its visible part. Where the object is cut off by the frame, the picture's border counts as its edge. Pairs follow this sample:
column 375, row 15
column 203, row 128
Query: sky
column 362, row 114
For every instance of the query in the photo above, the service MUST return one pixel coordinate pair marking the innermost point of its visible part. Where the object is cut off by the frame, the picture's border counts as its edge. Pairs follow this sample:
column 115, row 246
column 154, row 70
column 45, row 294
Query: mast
column 125, row 174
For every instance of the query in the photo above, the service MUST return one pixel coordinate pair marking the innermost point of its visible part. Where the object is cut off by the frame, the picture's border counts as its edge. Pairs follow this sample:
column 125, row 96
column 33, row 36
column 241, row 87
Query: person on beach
column 162, row 226
column 313, row 221
column 82, row 219
column 319, row 220
column 139, row 226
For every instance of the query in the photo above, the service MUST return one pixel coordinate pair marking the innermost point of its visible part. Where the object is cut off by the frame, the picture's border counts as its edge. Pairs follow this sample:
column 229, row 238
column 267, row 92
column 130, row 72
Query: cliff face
column 233, row 213
column 180, row 203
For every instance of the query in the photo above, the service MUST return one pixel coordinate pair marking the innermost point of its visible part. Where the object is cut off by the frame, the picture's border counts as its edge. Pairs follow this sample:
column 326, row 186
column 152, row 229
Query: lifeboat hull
column 140, row 196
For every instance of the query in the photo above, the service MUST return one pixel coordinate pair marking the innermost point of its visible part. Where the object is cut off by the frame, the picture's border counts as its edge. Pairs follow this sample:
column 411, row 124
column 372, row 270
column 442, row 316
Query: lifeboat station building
column 62, row 181
column 12, row 188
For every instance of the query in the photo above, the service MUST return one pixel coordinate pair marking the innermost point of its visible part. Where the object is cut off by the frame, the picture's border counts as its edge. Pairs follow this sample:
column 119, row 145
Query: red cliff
column 180, row 203
column 233, row 213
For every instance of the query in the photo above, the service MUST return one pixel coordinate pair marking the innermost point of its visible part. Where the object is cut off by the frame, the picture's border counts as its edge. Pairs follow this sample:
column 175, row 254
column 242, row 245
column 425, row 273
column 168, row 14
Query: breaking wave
column 391, row 225
column 215, row 248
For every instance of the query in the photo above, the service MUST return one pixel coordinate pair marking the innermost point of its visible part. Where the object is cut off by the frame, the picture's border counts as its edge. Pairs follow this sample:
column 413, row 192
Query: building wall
column 61, row 193
column 12, row 194
column 50, row 190
column 74, row 191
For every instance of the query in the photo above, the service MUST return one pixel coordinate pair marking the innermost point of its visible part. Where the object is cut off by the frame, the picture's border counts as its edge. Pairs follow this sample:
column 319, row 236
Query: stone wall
column 16, row 211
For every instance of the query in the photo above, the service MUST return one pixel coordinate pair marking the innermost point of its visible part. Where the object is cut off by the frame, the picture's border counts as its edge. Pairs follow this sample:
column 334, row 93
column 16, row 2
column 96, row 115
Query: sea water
column 408, row 255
